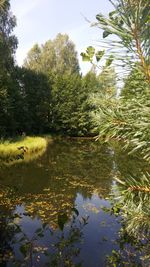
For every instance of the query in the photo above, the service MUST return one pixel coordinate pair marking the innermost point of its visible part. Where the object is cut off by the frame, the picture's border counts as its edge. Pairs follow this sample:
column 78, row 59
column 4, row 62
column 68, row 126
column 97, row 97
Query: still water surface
column 70, row 174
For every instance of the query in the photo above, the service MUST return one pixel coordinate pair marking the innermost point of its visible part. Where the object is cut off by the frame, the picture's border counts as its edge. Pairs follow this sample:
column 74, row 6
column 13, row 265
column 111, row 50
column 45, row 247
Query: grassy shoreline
column 21, row 148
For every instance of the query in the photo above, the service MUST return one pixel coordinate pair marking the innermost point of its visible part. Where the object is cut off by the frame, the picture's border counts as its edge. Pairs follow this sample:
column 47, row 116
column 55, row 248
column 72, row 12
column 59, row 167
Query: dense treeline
column 47, row 94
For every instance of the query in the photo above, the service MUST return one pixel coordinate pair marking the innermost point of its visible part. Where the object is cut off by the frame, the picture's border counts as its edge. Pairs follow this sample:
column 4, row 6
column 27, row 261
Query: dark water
column 71, row 174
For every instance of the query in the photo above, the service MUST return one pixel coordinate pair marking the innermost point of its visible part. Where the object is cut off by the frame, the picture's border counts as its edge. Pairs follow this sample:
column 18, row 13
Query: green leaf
column 99, row 55
column 85, row 57
column 106, row 33
column 112, row 13
column 90, row 51
column 101, row 19
column 109, row 61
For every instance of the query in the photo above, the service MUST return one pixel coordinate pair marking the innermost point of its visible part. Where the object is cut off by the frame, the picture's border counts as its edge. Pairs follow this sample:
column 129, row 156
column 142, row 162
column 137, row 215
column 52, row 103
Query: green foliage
column 88, row 55
column 35, row 91
column 135, row 84
column 57, row 61
column 48, row 94
column 102, row 97
column 91, row 55
column 70, row 103
column 134, row 198
column 130, row 199
column 8, row 96
column 129, row 121
column 54, row 57
column 99, row 87
column 130, row 23
column 127, row 118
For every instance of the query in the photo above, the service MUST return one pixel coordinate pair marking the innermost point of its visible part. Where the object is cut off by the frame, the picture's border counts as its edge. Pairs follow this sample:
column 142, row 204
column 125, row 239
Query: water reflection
column 70, row 174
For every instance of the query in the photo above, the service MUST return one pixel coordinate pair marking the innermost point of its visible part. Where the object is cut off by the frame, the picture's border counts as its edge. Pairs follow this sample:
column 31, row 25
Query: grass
column 23, row 148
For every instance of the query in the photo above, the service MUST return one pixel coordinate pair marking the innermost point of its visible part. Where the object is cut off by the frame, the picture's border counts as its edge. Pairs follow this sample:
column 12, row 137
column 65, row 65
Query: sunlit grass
column 24, row 148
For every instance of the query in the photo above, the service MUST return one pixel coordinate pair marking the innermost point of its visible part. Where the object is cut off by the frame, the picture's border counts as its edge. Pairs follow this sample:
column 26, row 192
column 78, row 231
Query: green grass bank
column 23, row 148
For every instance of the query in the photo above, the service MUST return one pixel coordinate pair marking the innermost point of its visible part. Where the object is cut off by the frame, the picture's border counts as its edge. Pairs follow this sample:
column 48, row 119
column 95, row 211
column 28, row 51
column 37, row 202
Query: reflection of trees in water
column 131, row 200
column 85, row 161
column 128, row 164
column 50, row 184
column 8, row 202
column 19, row 249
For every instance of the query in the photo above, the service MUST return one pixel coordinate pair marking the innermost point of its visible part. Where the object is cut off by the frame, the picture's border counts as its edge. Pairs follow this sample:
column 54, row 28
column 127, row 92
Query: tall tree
column 35, row 100
column 8, row 44
column 57, row 60
column 55, row 56
column 33, row 60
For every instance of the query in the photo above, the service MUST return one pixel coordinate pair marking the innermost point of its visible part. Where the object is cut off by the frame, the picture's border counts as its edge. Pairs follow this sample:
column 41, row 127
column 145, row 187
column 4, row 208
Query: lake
column 52, row 208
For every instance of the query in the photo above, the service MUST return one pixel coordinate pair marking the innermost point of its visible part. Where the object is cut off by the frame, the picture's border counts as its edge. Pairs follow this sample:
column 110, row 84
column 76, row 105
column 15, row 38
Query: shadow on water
column 51, row 207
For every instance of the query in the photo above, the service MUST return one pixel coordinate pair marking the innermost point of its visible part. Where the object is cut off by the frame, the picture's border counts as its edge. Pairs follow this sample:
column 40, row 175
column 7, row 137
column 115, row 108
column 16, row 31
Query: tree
column 8, row 44
column 100, row 88
column 54, row 57
column 33, row 60
column 57, row 60
column 67, row 104
column 65, row 54
column 134, row 84
column 35, row 90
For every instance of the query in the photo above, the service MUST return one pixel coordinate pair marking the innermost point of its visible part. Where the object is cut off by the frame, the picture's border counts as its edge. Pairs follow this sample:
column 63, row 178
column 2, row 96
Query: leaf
column 99, row 55
column 85, row 57
column 101, row 19
column 106, row 33
column 90, row 51
column 109, row 61
column 112, row 13
column 62, row 219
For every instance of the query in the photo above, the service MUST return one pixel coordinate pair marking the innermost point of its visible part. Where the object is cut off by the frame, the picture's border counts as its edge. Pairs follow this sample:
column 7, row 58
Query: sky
column 41, row 20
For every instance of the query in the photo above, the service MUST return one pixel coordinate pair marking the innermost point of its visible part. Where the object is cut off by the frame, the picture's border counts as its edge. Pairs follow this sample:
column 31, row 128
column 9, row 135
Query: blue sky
column 40, row 20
